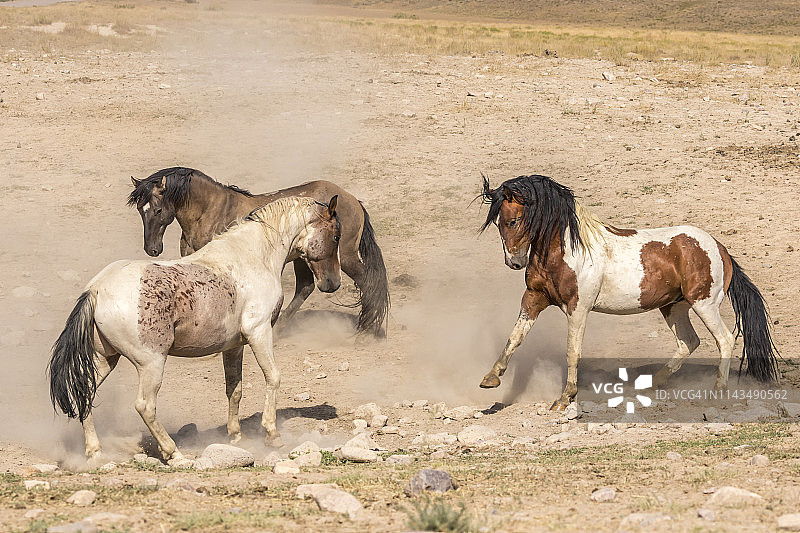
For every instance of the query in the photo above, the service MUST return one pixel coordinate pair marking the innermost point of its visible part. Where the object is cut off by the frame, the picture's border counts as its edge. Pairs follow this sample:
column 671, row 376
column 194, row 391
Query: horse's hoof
column 175, row 458
column 558, row 406
column 236, row 437
column 94, row 459
column 274, row 442
column 490, row 381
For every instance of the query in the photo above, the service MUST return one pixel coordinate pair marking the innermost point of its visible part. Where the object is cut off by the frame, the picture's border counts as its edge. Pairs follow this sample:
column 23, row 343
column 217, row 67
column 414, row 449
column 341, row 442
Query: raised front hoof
column 559, row 405
column 490, row 381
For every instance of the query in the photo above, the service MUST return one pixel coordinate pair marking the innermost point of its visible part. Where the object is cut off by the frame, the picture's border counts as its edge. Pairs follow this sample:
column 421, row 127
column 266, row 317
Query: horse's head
column 318, row 246
column 156, row 210
column 508, row 212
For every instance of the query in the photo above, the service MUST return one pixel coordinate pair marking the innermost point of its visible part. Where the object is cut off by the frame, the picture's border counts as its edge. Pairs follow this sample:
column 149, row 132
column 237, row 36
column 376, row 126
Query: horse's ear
column 164, row 182
column 509, row 196
column 332, row 206
column 135, row 181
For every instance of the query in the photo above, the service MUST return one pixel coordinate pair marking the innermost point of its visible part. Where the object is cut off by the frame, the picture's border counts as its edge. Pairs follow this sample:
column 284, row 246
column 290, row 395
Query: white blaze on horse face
column 146, row 207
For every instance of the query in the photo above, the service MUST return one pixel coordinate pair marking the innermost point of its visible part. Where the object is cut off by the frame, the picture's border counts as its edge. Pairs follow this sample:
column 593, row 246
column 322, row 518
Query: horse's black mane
column 549, row 209
column 177, row 189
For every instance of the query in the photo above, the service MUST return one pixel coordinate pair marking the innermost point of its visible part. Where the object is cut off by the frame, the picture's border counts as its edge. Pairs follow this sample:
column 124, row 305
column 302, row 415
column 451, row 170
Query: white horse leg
column 104, row 367
column 708, row 312
column 576, row 326
column 150, row 377
column 533, row 303
column 232, row 362
column 261, row 343
column 677, row 317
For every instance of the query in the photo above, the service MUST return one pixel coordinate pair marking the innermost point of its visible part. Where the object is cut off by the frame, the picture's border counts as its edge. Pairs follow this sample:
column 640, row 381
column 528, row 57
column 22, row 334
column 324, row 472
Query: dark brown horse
column 204, row 208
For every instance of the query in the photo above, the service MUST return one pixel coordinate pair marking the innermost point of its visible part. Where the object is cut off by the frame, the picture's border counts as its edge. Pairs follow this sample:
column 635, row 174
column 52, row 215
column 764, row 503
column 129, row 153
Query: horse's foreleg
column 304, row 286
column 533, row 303
column 150, row 376
column 576, row 326
column 185, row 247
column 261, row 343
column 232, row 362
column 677, row 317
column 104, row 367
column 709, row 313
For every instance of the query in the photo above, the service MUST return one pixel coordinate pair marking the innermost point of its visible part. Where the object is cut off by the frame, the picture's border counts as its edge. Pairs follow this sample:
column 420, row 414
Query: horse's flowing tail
column 752, row 322
column 72, row 368
column 374, row 287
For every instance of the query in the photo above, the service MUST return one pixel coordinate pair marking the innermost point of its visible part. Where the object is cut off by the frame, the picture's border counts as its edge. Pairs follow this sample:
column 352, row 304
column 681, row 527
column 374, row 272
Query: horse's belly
column 620, row 293
column 207, row 328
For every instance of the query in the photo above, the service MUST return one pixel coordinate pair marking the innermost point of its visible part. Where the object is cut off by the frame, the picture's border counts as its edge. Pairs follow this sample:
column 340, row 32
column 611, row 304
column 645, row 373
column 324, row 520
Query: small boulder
column 82, row 498
column 304, row 448
column 400, row 459
column 286, row 467
column 429, row 479
column 227, row 456
column 419, row 404
column 36, row 484
column 759, row 460
column 362, row 440
column 463, row 412
column 789, row 522
column 476, row 434
column 308, row 490
column 378, row 421
column 673, row 456
column 790, row 410
column 706, row 514
column 356, row 455
column 366, row 411
column 180, row 483
column 33, row 513
column 609, row 76
column 605, row 494
column 344, row 366
column 434, row 439
column 337, row 501
column 309, row 459
column 302, row 397
column 733, row 496
column 203, row 463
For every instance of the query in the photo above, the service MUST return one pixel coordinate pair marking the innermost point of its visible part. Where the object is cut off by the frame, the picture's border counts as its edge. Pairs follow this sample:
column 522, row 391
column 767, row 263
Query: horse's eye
column 158, row 211
column 512, row 223
column 335, row 238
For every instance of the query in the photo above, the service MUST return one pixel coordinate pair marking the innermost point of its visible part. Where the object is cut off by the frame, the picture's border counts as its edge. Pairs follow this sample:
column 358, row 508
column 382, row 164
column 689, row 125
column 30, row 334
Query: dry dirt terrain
column 266, row 95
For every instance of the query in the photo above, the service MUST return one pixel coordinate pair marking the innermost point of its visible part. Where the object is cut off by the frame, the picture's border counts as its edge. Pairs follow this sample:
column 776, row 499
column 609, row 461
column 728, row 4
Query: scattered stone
column 718, row 428
column 344, row 367
column 438, row 410
column 609, row 76
column 356, row 455
column 272, row 459
column 308, row 490
column 790, row 410
column 431, row 480
column 45, row 468
column 364, row 441
column 674, row 456
column 33, row 513
column 759, row 412
column 419, row 404
column 409, row 114
column 378, row 421
column 366, row 411
column 82, row 498
column 153, row 461
column 759, row 460
column 108, row 467
column 389, row 430
column 558, row 437
column 227, row 456
column 359, row 425
column 31, row 484
column 399, row 459
column 337, row 501
column 476, row 434
column 463, row 412
column 180, row 483
column 84, row 526
column 643, row 519
column 789, row 522
column 302, row 397
column 286, row 467
column 309, row 459
column 733, row 496
column 203, row 463
column 321, row 375
column 40, row 96
column 106, row 518
column 743, row 98
column 182, row 463
column 407, row 403
column 440, row 454
column 434, row 439
column 605, row 494
column 304, row 448
column 706, row 514
column 24, row 292
column 712, row 415
column 140, row 458
column 571, row 412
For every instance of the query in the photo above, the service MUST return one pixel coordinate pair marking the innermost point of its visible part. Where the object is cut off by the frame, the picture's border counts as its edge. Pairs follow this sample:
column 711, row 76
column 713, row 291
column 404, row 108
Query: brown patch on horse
column 727, row 266
column 557, row 280
column 621, row 232
column 680, row 269
column 183, row 307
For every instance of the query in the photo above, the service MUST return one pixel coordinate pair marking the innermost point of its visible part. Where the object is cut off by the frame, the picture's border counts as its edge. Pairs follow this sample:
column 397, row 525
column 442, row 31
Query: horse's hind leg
column 304, row 286
column 261, row 343
column 232, row 362
column 677, row 317
column 533, row 303
column 150, row 376
column 104, row 366
column 708, row 312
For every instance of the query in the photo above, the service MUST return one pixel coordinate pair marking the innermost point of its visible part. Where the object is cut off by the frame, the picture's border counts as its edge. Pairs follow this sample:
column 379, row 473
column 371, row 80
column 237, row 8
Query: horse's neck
column 209, row 208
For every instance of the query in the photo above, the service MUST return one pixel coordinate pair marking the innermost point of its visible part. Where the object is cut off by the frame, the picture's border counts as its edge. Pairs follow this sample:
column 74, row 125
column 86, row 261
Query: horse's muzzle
column 329, row 285
column 514, row 262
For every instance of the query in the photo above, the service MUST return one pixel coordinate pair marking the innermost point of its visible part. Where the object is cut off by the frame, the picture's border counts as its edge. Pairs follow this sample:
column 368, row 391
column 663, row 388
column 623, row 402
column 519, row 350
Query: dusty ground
column 259, row 104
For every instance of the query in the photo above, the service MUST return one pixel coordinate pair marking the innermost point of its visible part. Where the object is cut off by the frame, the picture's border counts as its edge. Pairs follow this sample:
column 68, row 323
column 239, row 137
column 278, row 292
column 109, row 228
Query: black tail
column 71, row 368
column 752, row 322
column 375, row 287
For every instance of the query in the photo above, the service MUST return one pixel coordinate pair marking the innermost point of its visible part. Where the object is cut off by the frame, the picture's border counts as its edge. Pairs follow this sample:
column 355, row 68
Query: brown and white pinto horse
column 579, row 264
column 221, row 297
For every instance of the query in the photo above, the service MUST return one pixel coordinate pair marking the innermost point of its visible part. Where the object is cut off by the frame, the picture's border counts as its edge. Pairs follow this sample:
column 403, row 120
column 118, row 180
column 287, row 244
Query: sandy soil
column 663, row 144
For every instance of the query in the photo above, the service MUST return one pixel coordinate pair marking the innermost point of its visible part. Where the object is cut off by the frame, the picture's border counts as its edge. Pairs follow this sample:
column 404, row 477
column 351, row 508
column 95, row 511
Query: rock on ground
column 308, row 490
column 362, row 440
column 476, row 434
column 330, row 497
column 605, row 494
column 286, row 467
column 791, row 410
column 430, row 479
column 309, row 459
column 733, row 496
column 203, row 463
column 759, row 460
column 674, row 456
column 434, row 439
column 366, row 411
column 227, row 456
column 304, row 448
column 82, row 498
column 378, row 421
column 31, row 484
column 400, row 459
column 356, row 455
column 84, row 526
column 463, row 412
column 789, row 522
column 45, row 468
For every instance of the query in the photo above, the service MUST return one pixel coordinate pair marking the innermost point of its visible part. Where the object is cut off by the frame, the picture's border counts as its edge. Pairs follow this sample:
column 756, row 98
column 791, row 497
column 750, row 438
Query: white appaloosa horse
column 580, row 264
column 223, row 296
